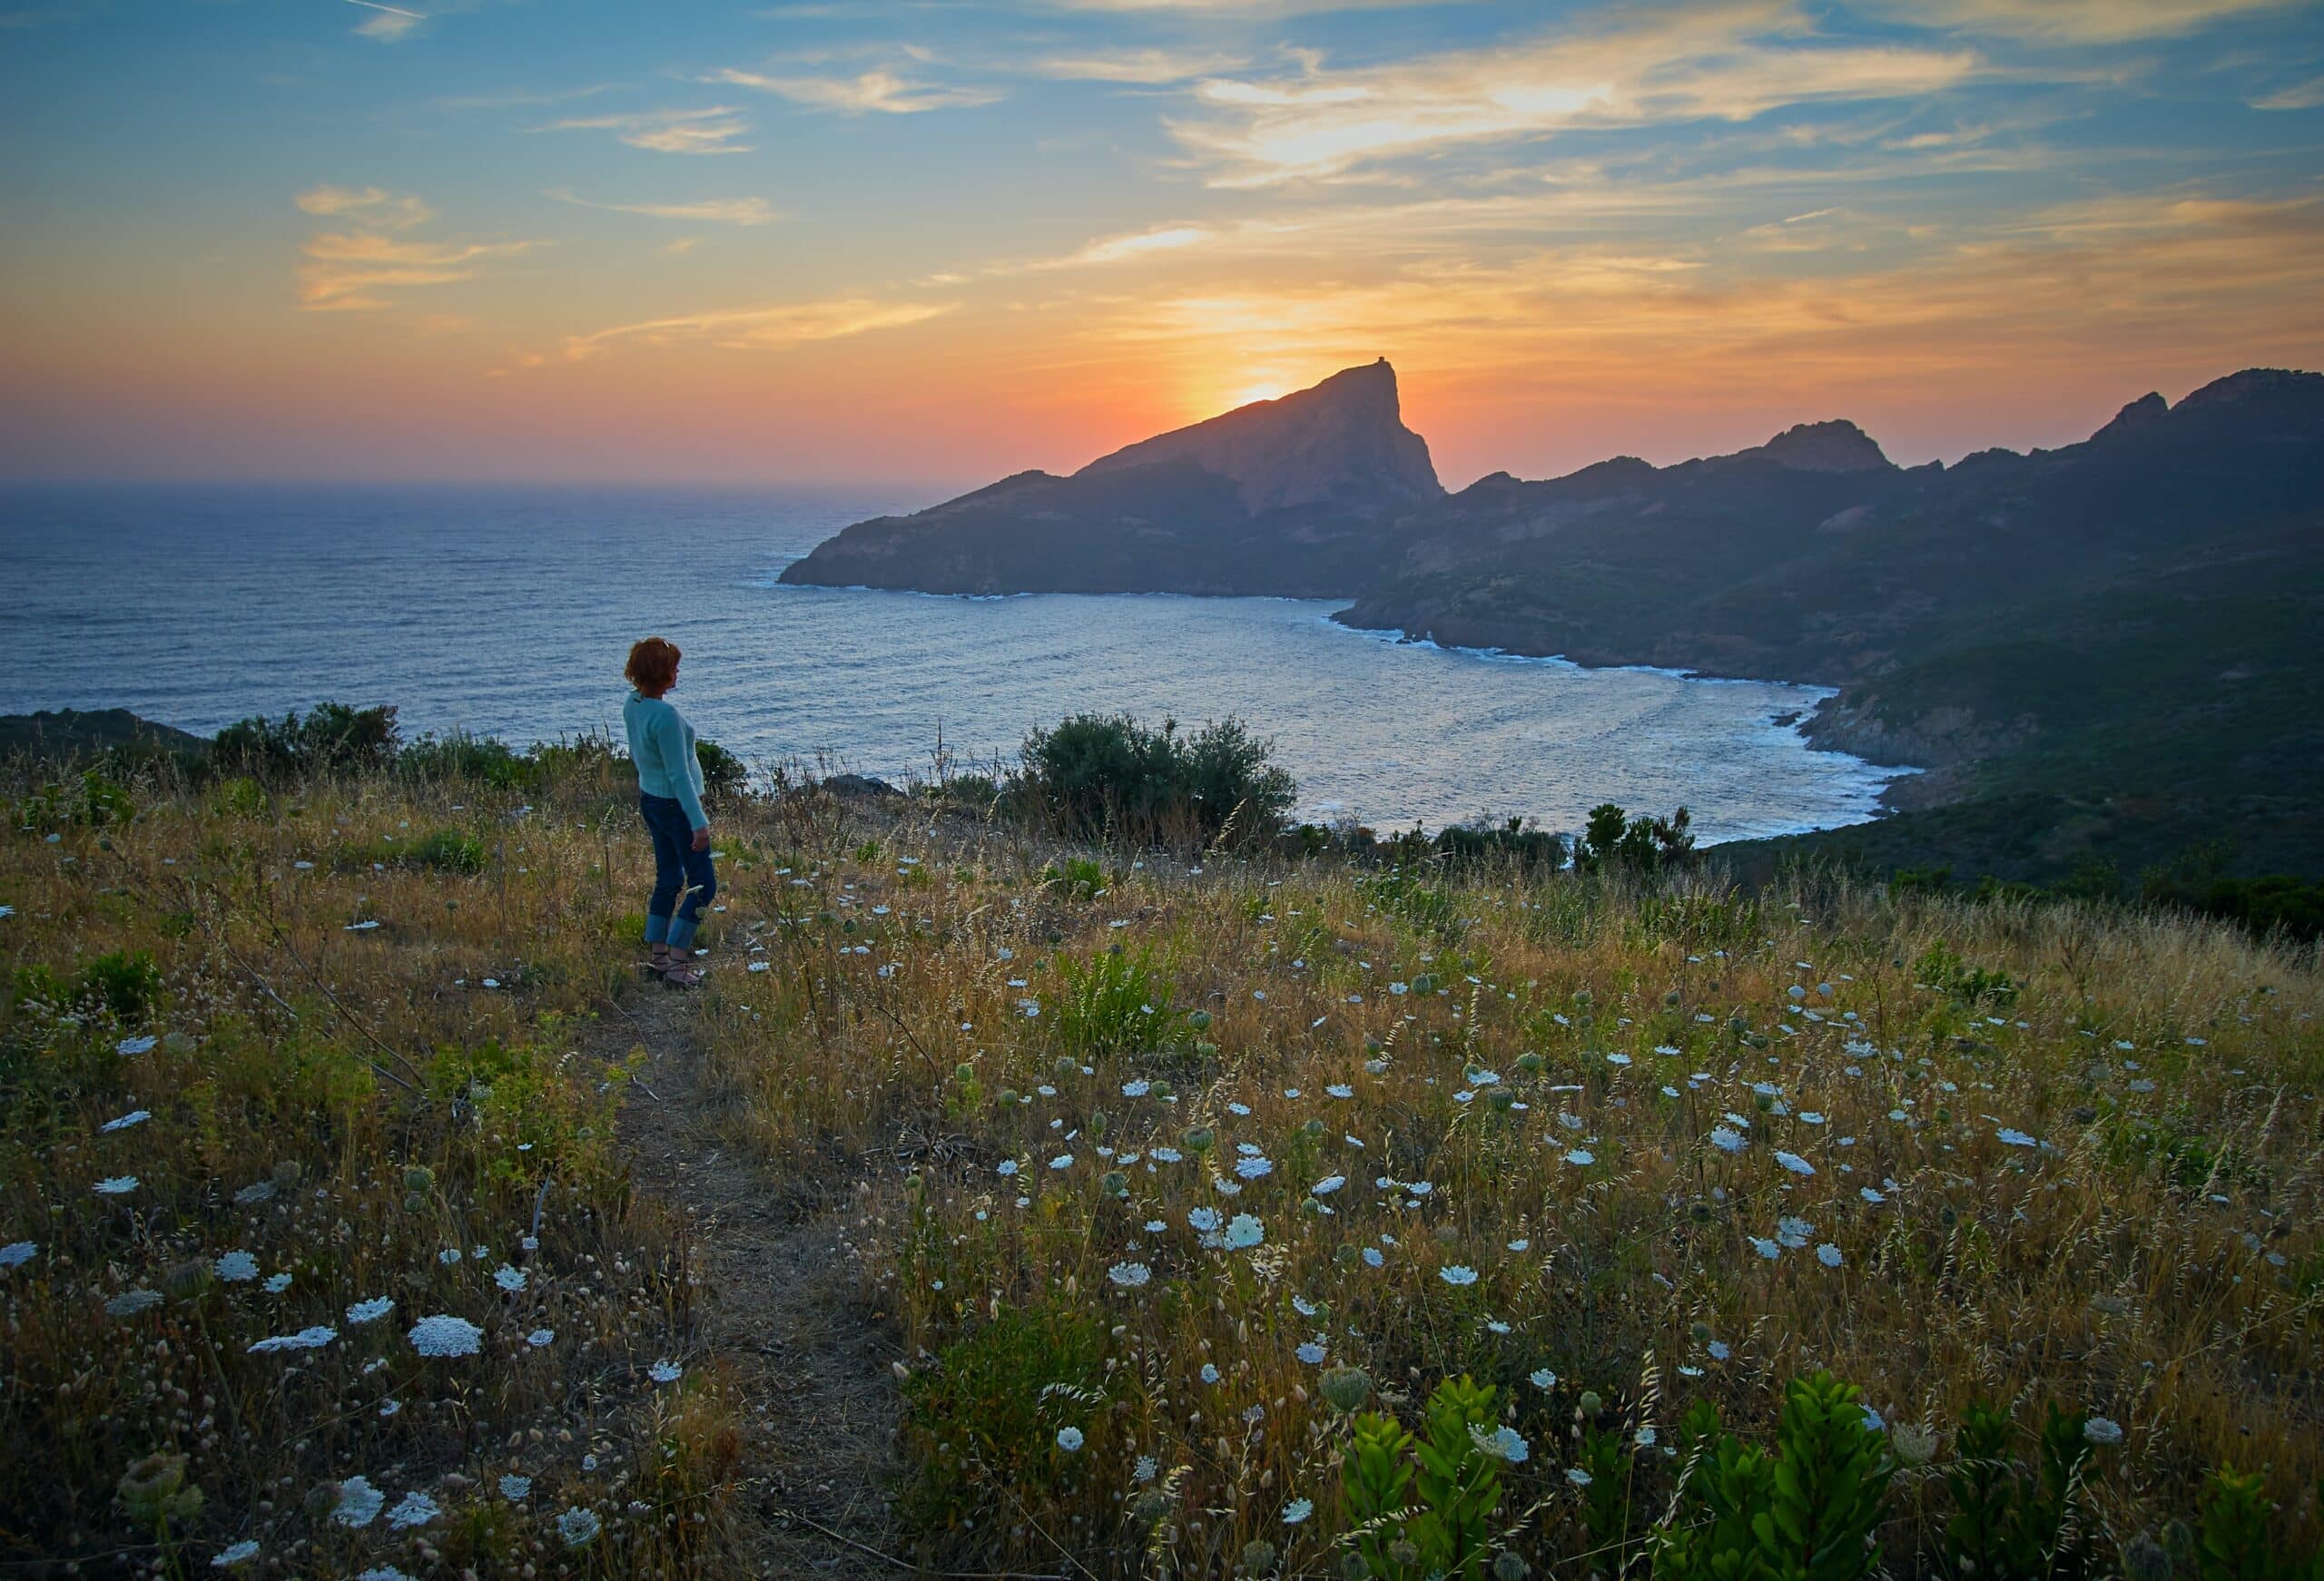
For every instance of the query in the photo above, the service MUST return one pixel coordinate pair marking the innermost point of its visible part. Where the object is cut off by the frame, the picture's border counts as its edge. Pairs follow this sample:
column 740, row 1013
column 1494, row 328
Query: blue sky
column 937, row 241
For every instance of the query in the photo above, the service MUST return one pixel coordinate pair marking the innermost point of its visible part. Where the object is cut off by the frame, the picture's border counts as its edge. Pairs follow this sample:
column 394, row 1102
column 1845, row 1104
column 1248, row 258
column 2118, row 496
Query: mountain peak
column 1342, row 439
column 2139, row 413
column 1836, row 446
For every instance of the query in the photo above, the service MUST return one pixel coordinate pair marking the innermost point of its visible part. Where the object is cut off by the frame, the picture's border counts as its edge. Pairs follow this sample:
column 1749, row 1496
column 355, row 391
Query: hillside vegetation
column 1225, row 1212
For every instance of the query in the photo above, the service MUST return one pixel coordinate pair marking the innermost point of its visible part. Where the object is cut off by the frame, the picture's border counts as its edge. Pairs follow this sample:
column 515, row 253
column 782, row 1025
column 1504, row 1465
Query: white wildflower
column 445, row 1335
column 358, row 1504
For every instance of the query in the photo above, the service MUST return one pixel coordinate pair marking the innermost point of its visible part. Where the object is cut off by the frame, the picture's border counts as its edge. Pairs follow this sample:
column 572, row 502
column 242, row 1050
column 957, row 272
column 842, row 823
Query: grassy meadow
column 1230, row 1212
column 318, row 1247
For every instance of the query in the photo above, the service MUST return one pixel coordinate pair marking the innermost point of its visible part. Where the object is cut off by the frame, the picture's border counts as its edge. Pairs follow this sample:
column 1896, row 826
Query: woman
column 669, row 793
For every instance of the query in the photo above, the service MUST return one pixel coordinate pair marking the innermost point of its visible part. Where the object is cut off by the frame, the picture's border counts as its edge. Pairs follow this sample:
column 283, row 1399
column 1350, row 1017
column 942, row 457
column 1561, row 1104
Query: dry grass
column 1542, row 1113
column 376, row 1113
column 907, row 992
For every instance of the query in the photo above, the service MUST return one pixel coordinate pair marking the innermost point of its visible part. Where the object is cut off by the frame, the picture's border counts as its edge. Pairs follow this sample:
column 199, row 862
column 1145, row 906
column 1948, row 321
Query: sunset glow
column 822, row 244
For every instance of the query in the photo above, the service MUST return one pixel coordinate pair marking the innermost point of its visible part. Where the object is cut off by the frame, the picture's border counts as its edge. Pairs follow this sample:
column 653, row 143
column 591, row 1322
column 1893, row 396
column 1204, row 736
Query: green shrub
column 124, row 985
column 93, row 800
column 1613, row 839
column 463, row 758
column 1471, row 845
column 2011, row 1519
column 1095, row 775
column 442, row 851
column 986, row 1414
column 332, row 738
column 724, row 777
column 1968, row 986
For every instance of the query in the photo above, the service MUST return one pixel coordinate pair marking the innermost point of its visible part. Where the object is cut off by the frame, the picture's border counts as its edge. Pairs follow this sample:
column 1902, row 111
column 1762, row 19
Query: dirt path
column 778, row 1300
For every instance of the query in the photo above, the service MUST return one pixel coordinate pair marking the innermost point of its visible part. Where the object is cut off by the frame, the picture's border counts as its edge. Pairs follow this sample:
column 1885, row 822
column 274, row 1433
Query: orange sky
column 482, row 242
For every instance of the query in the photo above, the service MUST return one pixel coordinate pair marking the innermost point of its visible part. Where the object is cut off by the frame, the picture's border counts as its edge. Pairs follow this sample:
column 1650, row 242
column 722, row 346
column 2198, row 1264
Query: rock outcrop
column 1340, row 441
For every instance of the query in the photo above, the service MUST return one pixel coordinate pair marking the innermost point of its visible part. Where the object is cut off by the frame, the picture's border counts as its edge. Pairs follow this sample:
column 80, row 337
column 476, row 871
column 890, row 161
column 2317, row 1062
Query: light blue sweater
column 661, row 743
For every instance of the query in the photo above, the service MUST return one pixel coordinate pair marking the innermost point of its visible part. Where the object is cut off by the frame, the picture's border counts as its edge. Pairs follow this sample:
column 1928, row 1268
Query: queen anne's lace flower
column 445, row 1335
column 358, row 1504
column 415, row 1509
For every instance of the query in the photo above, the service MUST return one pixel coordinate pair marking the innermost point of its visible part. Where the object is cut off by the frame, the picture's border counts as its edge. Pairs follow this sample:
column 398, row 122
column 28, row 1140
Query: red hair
column 653, row 665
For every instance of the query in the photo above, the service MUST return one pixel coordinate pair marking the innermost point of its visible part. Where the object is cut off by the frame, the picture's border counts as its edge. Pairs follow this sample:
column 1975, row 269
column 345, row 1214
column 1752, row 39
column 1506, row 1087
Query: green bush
column 1613, row 839
column 2012, row 1520
column 93, row 801
column 724, row 778
column 1470, row 845
column 1095, row 776
column 463, row 758
column 332, row 738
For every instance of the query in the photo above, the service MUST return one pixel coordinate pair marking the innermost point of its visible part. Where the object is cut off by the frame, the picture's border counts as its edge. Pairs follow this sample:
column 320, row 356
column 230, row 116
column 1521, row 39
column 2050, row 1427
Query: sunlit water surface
column 507, row 612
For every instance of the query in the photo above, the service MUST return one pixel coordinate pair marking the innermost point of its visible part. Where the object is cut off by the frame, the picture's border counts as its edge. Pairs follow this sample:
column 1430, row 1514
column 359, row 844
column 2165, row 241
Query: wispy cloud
column 356, row 270
column 388, row 24
column 370, row 205
column 1731, row 63
column 762, row 329
column 1152, row 67
column 1245, row 8
column 2079, row 21
column 712, row 210
column 708, row 131
column 2117, row 283
column 880, row 91
column 2305, row 95
column 1137, row 244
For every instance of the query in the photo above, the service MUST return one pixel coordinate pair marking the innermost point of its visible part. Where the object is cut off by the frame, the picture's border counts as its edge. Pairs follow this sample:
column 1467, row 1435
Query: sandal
column 681, row 974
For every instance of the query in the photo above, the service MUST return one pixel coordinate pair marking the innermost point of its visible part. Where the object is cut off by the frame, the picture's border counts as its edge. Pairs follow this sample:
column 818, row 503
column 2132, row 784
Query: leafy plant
column 2009, row 1519
column 1808, row 1511
column 1376, row 1476
column 1613, row 839
column 1829, row 1487
column 1459, row 1481
column 1114, row 1000
column 1097, row 775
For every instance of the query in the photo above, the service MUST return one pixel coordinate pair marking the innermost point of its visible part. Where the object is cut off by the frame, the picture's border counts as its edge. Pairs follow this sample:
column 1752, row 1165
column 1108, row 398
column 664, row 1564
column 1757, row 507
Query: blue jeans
column 677, row 867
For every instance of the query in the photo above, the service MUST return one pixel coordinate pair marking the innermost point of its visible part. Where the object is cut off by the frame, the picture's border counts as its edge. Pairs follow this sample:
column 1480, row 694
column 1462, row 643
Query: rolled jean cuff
column 657, row 928
column 682, row 932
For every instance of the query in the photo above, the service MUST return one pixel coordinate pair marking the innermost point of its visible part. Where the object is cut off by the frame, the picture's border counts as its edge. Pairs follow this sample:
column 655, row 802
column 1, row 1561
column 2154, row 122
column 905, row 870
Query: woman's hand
column 702, row 838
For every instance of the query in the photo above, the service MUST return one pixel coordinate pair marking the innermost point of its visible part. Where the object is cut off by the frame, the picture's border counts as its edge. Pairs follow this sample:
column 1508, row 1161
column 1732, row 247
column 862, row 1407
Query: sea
column 508, row 611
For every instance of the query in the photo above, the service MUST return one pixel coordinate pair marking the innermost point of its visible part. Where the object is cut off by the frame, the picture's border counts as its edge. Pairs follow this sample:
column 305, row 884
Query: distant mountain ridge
column 2131, row 618
column 1293, row 495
